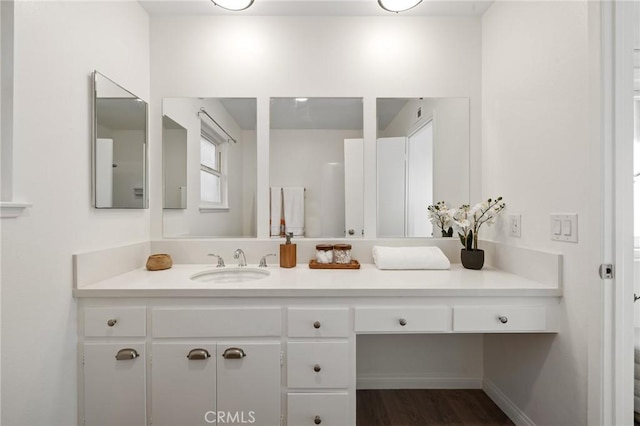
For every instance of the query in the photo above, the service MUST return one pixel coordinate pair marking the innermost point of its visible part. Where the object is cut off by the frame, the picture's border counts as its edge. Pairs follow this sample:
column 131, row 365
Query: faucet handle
column 220, row 260
column 263, row 260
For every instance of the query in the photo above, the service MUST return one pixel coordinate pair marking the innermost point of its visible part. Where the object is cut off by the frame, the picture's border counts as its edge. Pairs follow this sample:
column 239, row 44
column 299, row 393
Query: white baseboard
column 377, row 381
column 510, row 409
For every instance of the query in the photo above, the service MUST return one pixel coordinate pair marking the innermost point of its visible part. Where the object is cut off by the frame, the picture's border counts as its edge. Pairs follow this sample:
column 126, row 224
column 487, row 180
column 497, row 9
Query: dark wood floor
column 421, row 407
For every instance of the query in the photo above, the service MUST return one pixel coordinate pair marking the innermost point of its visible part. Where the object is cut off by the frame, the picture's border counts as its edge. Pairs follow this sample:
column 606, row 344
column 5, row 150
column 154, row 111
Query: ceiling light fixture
column 302, row 99
column 233, row 4
column 398, row 5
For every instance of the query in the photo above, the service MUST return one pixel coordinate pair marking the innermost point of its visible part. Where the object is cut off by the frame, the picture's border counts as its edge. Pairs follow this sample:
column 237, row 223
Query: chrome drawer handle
column 198, row 353
column 503, row 319
column 233, row 353
column 317, row 420
column 126, row 354
column 402, row 322
column 317, row 368
column 112, row 322
column 316, row 324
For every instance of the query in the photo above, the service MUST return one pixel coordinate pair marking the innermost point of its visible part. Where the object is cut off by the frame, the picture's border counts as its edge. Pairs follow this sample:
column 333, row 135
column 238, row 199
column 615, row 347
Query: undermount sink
column 231, row 275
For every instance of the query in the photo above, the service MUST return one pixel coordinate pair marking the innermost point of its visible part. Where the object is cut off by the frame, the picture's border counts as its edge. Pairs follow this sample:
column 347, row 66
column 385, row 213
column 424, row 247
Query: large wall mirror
column 422, row 158
column 209, row 167
column 316, row 167
column 119, row 147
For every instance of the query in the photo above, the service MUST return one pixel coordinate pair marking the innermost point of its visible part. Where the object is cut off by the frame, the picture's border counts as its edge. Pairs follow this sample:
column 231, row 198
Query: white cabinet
column 500, row 319
column 318, row 364
column 230, row 382
column 248, row 382
column 403, row 319
column 326, row 409
column 114, row 384
column 183, row 383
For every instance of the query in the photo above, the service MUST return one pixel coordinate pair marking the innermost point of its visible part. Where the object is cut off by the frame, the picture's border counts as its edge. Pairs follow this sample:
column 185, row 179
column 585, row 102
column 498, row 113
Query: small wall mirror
column 119, row 147
column 316, row 167
column 209, row 167
column 422, row 158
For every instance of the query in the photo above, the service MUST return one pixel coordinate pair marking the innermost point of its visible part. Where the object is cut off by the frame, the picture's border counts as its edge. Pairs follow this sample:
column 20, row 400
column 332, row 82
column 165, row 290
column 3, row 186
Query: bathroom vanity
column 159, row 348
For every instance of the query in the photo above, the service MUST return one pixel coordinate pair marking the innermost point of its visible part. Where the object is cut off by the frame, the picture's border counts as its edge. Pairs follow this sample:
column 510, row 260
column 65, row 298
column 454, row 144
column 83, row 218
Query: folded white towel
column 294, row 210
column 410, row 258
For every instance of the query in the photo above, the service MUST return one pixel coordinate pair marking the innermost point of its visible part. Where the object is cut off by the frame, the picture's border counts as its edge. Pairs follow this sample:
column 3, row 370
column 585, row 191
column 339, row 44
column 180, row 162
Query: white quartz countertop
column 302, row 281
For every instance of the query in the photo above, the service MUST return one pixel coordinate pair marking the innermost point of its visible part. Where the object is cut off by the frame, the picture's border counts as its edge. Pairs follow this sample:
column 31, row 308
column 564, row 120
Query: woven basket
column 158, row 262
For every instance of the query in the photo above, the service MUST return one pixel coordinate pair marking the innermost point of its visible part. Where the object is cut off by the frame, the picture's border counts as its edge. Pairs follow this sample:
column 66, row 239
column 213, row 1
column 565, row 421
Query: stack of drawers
column 318, row 366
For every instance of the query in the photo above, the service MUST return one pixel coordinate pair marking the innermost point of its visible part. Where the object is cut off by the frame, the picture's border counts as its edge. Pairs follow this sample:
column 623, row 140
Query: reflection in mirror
column 422, row 158
column 316, row 167
column 120, row 147
column 174, row 164
column 209, row 173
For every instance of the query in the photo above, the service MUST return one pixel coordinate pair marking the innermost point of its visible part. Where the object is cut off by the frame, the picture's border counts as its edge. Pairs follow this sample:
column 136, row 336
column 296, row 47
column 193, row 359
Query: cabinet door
column 114, row 389
column 248, row 380
column 183, row 384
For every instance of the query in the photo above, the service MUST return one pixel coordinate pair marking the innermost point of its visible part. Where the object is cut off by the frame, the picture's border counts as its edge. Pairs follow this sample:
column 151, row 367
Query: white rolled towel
column 410, row 258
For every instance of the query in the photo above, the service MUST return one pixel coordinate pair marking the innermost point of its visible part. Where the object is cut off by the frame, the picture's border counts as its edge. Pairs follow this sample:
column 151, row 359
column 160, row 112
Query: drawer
column 216, row 322
column 496, row 319
column 327, row 409
column 403, row 319
column 329, row 322
column 115, row 321
column 318, row 365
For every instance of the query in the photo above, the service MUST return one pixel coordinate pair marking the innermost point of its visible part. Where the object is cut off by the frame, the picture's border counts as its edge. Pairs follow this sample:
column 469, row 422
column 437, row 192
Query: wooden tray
column 315, row 265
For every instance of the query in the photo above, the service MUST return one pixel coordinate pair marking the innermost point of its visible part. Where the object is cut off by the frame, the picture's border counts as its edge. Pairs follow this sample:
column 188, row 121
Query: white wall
column 57, row 46
column 541, row 153
column 191, row 221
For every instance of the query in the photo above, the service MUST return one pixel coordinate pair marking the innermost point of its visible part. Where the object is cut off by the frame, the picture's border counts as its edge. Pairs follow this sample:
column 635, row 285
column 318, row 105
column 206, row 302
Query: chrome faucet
column 239, row 254
column 263, row 260
column 220, row 260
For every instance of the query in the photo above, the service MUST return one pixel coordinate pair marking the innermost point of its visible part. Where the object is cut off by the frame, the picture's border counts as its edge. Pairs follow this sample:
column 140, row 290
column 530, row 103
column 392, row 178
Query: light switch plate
column 515, row 222
column 564, row 227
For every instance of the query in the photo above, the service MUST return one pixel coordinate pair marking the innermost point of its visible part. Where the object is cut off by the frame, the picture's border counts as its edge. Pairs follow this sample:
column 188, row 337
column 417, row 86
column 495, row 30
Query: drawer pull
column 317, row 368
column 316, row 324
column 233, row 353
column 317, row 420
column 402, row 322
column 198, row 354
column 112, row 322
column 126, row 354
column 503, row 319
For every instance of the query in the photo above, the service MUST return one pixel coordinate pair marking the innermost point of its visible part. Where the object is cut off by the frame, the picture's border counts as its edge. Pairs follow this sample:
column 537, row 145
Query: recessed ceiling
column 315, row 8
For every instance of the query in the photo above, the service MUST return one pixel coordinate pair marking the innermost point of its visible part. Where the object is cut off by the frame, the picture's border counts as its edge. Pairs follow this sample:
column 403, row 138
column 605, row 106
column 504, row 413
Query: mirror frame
column 94, row 137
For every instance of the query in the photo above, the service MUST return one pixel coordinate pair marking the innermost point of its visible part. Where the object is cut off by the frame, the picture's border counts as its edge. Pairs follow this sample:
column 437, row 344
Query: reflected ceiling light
column 233, row 4
column 398, row 5
column 302, row 99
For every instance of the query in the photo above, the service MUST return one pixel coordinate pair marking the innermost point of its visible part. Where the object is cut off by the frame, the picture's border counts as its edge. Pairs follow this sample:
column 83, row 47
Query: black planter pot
column 472, row 259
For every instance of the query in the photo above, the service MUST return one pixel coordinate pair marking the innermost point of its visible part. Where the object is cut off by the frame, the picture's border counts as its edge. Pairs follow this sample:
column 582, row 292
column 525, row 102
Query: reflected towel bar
column 204, row 111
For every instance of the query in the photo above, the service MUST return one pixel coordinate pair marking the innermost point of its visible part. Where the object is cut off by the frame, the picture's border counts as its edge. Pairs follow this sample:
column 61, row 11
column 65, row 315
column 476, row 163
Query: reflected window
column 213, row 179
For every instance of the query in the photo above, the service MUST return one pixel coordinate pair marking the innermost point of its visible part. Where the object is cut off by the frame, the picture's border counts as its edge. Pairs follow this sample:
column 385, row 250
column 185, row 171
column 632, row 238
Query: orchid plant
column 439, row 216
column 469, row 220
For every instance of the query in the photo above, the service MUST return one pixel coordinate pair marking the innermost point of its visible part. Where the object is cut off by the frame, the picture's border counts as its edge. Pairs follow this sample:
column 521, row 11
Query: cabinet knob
column 126, row 354
column 402, row 322
column 112, row 322
column 233, row 353
column 198, row 353
column 503, row 319
column 317, row 368
column 317, row 420
column 316, row 324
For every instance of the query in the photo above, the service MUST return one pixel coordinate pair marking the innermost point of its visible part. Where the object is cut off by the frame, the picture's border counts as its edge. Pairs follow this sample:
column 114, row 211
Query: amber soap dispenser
column 288, row 253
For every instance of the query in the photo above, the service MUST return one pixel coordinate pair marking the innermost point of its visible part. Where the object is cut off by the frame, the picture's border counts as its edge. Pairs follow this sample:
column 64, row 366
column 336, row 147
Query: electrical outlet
column 515, row 223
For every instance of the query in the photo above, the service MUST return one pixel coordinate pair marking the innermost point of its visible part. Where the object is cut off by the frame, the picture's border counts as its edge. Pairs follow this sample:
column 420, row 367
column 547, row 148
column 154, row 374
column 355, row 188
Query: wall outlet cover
column 515, row 225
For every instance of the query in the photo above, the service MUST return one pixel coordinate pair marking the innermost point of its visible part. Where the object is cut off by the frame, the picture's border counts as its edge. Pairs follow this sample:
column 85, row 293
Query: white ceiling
column 316, row 8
